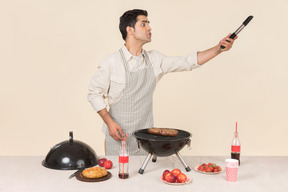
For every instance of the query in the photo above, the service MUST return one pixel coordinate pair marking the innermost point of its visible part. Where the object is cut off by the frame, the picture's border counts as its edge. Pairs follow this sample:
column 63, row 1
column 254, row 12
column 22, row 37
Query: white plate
column 208, row 173
column 187, row 181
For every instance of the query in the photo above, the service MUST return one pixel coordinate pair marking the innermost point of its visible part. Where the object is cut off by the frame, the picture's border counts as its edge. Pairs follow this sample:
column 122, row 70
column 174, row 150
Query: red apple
column 170, row 177
column 108, row 164
column 165, row 173
column 101, row 162
column 176, row 172
column 181, row 178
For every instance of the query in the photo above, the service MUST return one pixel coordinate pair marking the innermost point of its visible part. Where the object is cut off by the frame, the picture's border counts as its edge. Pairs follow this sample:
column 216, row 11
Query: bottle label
column 235, row 148
column 123, row 159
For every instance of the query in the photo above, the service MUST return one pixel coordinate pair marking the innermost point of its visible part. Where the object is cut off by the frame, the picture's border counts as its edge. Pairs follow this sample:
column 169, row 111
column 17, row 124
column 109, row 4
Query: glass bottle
column 123, row 162
column 236, row 147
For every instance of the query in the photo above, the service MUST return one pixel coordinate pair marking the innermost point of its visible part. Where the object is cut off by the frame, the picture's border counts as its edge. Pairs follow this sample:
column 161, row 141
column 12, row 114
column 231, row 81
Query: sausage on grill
column 163, row 132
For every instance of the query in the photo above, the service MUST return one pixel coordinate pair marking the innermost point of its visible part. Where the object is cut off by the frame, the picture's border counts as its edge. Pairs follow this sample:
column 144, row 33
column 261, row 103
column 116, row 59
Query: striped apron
column 134, row 110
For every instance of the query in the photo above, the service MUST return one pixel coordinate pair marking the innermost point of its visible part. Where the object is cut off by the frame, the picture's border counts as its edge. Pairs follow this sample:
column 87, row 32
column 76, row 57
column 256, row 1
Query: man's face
column 142, row 31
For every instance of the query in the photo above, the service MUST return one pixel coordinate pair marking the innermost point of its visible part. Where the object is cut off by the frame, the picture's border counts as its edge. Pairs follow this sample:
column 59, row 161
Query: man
column 127, row 78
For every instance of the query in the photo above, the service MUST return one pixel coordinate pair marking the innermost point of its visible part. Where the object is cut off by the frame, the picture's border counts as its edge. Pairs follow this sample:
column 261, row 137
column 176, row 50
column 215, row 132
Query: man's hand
column 204, row 56
column 227, row 43
column 114, row 131
column 113, row 128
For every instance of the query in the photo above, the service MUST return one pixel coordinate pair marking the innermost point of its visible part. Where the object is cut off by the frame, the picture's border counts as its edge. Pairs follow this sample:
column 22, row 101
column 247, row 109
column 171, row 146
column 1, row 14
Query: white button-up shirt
column 109, row 80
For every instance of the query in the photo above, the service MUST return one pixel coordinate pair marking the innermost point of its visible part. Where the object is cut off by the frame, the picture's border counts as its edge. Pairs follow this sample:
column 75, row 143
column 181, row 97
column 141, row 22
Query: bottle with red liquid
column 236, row 146
column 123, row 162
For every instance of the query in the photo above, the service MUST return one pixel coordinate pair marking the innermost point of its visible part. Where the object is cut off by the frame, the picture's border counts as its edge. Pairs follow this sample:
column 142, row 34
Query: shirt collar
column 128, row 55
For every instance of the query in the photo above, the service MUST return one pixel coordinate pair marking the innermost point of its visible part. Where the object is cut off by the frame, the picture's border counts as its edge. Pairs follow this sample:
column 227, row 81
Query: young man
column 127, row 78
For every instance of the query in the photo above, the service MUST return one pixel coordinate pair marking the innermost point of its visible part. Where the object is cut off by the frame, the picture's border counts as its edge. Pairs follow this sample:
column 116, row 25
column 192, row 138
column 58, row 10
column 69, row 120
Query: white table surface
column 21, row 174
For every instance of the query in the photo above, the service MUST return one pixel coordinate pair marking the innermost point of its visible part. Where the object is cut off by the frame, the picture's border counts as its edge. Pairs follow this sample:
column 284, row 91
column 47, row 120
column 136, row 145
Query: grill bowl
column 162, row 146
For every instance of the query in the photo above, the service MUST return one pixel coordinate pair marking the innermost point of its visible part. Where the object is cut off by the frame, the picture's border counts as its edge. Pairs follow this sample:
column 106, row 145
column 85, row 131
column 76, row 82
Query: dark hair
column 129, row 18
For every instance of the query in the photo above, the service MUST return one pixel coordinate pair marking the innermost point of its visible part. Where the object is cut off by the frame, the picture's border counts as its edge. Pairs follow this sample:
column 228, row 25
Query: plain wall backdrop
column 49, row 50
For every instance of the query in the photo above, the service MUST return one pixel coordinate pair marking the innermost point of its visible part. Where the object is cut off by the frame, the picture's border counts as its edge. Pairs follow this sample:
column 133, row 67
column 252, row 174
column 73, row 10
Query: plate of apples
column 175, row 177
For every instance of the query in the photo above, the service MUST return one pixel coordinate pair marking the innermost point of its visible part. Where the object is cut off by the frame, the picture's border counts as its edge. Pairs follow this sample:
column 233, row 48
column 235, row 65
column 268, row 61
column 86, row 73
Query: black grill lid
column 70, row 155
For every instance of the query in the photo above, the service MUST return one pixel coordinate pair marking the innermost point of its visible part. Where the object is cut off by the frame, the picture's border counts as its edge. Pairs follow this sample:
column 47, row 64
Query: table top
column 255, row 174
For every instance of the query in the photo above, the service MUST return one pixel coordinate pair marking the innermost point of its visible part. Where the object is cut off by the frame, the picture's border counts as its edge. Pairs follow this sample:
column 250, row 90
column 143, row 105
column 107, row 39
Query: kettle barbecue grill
column 162, row 146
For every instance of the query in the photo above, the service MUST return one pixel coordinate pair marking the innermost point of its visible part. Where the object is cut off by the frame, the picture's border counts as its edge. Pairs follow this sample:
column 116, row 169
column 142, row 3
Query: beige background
column 49, row 50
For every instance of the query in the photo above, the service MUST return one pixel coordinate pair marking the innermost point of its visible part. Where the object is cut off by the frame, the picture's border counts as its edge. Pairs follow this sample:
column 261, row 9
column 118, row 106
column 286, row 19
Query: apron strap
column 127, row 69
column 147, row 58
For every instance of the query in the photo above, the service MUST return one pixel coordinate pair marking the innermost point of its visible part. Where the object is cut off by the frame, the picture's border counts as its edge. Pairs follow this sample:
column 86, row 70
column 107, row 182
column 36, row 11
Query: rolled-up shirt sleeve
column 177, row 64
column 98, row 88
column 168, row 64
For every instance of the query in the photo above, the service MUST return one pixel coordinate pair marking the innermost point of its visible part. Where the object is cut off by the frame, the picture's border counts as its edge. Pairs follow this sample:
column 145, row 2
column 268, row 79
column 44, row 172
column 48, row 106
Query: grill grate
column 143, row 134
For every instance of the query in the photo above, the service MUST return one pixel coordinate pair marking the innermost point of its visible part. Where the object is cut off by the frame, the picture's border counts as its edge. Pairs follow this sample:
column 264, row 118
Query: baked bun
column 94, row 172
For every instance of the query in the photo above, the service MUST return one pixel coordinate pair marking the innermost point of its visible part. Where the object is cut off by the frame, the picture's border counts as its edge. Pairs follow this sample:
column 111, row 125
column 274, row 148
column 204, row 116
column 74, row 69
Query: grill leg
column 154, row 159
column 141, row 170
column 187, row 168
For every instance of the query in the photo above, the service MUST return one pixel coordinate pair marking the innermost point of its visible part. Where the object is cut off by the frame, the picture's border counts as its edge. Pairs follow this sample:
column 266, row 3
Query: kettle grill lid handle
column 71, row 137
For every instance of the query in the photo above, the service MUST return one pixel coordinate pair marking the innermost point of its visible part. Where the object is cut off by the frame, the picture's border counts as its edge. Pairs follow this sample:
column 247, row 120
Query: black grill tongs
column 233, row 35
